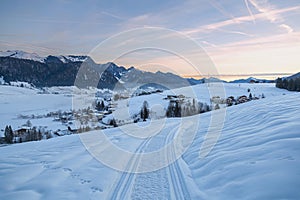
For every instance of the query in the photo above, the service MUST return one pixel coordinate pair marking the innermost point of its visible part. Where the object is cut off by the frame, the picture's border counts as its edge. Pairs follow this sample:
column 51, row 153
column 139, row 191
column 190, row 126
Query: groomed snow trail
column 165, row 183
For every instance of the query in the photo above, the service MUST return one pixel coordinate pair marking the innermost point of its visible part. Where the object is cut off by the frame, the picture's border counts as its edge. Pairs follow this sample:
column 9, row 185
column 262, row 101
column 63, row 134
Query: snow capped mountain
column 35, row 57
column 71, row 58
column 63, row 70
column 22, row 55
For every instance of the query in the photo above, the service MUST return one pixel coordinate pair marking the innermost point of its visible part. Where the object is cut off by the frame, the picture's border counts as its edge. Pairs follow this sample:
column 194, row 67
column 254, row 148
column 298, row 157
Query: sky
column 236, row 37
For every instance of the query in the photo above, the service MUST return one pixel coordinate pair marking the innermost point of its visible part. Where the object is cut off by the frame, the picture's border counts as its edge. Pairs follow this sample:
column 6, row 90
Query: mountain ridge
column 79, row 70
column 35, row 57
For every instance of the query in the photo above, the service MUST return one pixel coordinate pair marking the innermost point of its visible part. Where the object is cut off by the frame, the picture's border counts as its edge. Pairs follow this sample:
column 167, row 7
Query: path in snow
column 165, row 183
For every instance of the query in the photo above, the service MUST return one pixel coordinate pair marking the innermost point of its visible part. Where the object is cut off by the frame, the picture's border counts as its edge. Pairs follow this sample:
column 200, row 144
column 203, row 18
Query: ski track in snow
column 165, row 183
column 176, row 179
column 123, row 184
column 155, row 184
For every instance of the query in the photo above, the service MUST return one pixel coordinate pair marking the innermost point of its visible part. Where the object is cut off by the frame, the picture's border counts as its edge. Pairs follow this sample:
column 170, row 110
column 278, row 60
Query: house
column 112, row 107
column 230, row 101
column 99, row 116
column 21, row 134
column 242, row 99
column 21, row 130
column 181, row 96
column 218, row 100
column 171, row 96
column 62, row 132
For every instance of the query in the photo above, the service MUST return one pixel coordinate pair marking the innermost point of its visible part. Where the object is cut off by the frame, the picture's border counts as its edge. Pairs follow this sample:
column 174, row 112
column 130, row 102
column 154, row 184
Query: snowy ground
column 256, row 157
column 16, row 101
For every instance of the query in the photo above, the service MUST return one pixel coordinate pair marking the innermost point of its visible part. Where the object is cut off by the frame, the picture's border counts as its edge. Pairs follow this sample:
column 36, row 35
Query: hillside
column 15, row 112
column 256, row 157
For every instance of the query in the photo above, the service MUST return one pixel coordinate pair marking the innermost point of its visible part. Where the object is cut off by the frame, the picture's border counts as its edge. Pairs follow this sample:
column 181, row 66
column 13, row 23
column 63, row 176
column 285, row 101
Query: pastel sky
column 239, row 36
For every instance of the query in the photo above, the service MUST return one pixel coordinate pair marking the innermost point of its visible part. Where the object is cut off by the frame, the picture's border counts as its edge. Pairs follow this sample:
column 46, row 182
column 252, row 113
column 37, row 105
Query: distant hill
column 252, row 80
column 65, row 70
column 193, row 81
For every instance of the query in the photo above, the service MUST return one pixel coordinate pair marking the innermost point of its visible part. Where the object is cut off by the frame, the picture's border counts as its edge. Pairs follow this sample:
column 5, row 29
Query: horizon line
column 236, row 75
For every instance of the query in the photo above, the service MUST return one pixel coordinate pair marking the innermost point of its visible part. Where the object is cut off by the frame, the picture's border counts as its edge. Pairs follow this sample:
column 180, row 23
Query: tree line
column 289, row 84
column 31, row 134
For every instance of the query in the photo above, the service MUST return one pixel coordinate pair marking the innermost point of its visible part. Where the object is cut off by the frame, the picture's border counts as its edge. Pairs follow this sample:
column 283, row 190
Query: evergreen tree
column 113, row 123
column 177, row 109
column 284, row 83
column 144, row 111
column 40, row 136
column 6, row 134
column 174, row 109
column 200, row 107
column 290, row 84
column 279, row 83
column 34, row 134
column 100, row 106
column 297, row 84
column 28, row 123
column 205, row 108
column 250, row 96
column 9, row 134
column 194, row 107
column 170, row 112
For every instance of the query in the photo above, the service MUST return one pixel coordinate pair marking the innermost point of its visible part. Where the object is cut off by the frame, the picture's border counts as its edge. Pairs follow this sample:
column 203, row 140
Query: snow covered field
column 17, row 101
column 256, row 157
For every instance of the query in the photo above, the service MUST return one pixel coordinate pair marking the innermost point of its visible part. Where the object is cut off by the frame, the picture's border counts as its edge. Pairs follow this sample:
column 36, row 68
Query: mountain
column 135, row 77
column 252, row 80
column 193, row 81
column 22, row 55
column 42, row 72
column 35, row 57
column 79, row 70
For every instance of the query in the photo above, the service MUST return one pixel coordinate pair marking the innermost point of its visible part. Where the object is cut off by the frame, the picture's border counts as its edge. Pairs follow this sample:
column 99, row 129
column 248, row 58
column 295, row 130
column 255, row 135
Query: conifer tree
column 145, row 111
column 8, row 134
column 279, row 83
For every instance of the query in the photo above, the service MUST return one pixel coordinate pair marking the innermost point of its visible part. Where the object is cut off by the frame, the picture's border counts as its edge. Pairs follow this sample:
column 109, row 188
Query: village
column 95, row 117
